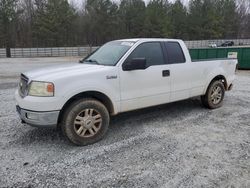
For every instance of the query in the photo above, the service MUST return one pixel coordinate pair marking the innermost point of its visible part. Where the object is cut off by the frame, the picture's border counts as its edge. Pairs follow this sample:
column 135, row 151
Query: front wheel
column 214, row 95
column 85, row 121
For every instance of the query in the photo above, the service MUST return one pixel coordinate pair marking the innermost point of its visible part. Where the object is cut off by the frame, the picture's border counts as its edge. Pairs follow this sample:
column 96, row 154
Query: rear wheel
column 214, row 95
column 85, row 121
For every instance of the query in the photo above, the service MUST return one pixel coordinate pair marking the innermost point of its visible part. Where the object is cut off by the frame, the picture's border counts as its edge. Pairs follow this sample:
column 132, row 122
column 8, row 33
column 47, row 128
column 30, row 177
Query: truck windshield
column 109, row 54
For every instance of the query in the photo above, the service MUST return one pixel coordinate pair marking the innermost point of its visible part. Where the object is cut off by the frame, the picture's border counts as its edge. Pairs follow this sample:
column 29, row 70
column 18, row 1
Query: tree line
column 45, row 23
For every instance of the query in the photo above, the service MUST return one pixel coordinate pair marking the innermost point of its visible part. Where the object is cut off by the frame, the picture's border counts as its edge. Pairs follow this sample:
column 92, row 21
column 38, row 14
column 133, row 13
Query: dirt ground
column 180, row 144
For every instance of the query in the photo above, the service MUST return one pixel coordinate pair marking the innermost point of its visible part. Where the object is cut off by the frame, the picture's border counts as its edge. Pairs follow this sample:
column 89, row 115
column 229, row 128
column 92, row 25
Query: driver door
column 143, row 88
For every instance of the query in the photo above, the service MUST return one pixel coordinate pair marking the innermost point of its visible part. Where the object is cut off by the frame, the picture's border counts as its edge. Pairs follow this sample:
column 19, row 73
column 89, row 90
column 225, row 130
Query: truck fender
column 220, row 73
column 70, row 95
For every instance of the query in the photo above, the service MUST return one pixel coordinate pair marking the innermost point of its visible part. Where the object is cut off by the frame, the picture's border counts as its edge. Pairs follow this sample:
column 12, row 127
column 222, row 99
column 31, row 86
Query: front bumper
column 38, row 119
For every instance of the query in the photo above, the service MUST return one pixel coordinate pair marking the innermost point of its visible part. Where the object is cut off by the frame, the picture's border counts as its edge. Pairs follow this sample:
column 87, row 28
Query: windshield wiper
column 92, row 61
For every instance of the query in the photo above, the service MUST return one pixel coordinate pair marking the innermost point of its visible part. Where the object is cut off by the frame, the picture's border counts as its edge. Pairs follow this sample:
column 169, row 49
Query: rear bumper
column 38, row 119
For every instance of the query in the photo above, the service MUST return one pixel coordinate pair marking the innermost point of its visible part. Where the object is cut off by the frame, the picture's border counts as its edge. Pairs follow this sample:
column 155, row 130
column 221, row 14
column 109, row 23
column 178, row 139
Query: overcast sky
column 79, row 2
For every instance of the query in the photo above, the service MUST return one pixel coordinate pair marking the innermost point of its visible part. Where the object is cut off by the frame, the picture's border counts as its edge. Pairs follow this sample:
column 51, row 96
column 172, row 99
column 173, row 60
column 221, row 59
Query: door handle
column 165, row 73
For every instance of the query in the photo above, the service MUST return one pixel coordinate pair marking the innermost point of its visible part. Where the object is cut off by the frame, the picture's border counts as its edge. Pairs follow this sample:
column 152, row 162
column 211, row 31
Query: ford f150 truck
column 120, row 76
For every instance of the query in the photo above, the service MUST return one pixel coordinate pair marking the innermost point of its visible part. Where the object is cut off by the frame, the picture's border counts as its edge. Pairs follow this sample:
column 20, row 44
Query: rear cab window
column 174, row 53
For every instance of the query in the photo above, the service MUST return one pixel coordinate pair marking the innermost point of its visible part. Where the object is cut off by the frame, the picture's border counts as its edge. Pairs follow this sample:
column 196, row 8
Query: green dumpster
column 210, row 53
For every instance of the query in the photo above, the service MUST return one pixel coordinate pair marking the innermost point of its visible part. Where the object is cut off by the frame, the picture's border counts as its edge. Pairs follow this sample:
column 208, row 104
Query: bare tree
column 243, row 10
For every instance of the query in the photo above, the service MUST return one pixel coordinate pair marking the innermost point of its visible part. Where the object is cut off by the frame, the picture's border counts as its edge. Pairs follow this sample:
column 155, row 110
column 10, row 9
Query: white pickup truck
column 120, row 76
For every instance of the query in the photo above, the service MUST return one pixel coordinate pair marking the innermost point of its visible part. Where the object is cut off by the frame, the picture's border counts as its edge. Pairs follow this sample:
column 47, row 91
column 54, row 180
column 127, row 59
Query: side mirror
column 134, row 64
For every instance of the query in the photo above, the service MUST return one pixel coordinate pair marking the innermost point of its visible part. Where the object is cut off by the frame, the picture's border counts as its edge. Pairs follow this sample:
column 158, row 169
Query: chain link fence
column 216, row 43
column 48, row 52
column 2, row 52
column 83, row 51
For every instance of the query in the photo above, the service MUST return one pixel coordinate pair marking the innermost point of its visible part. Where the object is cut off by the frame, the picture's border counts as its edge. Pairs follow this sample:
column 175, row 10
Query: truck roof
column 148, row 39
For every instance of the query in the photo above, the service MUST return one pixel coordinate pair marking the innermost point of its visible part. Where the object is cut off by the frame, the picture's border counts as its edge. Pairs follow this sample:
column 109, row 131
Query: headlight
column 41, row 89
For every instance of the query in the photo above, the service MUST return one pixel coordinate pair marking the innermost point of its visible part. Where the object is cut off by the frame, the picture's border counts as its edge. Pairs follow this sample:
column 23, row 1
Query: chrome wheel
column 216, row 95
column 87, row 123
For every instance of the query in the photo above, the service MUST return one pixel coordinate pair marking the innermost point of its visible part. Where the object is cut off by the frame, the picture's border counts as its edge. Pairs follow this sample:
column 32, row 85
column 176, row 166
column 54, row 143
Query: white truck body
column 125, row 90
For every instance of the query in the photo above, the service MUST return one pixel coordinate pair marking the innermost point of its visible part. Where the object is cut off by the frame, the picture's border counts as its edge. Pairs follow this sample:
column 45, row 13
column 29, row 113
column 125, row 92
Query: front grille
column 23, row 85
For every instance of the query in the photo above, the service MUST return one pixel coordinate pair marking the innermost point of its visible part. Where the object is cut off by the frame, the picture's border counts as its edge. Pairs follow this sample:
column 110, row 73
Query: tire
column 85, row 121
column 211, row 99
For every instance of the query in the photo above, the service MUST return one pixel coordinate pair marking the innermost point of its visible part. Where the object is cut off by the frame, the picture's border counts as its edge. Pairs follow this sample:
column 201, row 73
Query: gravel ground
column 180, row 144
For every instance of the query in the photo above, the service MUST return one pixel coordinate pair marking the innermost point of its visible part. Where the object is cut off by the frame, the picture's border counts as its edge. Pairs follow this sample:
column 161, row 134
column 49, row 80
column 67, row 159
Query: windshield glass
column 109, row 54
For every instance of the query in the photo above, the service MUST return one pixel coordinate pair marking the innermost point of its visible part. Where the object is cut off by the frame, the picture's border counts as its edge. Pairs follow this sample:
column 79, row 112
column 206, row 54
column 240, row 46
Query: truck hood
column 44, row 74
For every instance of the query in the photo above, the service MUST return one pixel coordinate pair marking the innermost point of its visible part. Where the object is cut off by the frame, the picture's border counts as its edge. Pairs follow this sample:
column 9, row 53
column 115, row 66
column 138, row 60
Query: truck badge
column 111, row 77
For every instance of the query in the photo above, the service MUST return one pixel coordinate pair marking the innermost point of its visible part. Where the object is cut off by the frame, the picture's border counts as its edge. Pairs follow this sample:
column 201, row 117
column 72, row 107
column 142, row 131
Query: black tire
column 207, row 99
column 70, row 117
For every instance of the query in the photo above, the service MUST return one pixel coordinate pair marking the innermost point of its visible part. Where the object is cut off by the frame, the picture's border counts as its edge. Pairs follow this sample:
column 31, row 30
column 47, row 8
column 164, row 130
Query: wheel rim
column 87, row 123
column 216, row 95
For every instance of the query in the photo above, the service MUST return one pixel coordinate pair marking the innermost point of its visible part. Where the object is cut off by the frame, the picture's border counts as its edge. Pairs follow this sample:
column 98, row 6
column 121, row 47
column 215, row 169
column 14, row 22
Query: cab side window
column 151, row 51
column 174, row 53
